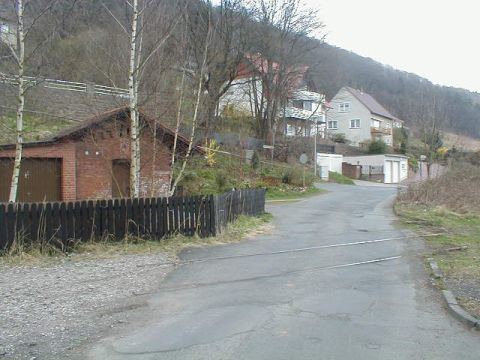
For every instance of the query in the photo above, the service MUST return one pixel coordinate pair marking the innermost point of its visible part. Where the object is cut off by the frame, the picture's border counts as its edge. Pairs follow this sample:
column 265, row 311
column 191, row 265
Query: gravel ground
column 46, row 311
column 468, row 293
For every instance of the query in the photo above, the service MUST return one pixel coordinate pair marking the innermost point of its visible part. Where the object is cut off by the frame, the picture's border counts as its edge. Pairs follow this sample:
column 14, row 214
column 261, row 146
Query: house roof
column 301, row 114
column 254, row 64
column 307, row 95
column 371, row 104
column 79, row 129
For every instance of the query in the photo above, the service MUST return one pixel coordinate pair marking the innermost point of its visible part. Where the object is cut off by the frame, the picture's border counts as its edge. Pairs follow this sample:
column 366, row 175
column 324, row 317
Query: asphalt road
column 369, row 300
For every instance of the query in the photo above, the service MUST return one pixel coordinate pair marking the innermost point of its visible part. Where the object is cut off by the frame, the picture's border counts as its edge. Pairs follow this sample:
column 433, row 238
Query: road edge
column 452, row 305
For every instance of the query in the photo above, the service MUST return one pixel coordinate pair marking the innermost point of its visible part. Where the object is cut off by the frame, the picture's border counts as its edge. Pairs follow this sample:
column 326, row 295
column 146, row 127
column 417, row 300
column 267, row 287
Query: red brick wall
column 87, row 163
column 94, row 163
column 64, row 151
column 352, row 171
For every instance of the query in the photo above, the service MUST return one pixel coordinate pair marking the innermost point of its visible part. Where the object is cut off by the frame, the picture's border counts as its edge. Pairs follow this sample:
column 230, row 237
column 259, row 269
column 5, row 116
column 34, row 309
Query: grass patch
column 35, row 127
column 457, row 250
column 292, row 193
column 337, row 178
column 243, row 227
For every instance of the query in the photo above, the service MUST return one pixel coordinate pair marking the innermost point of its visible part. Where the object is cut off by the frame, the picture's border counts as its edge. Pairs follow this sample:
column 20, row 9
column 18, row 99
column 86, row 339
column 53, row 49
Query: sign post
column 303, row 160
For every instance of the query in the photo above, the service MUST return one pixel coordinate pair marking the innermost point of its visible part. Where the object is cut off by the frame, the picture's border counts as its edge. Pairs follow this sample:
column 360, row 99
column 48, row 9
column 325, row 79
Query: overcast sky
column 436, row 39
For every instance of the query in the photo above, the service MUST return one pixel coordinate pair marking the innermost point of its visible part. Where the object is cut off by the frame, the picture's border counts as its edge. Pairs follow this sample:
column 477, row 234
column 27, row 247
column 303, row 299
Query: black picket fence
column 63, row 224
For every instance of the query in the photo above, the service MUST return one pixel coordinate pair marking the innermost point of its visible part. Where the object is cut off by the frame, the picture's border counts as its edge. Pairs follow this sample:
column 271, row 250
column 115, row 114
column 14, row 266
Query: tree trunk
column 133, row 107
column 21, row 103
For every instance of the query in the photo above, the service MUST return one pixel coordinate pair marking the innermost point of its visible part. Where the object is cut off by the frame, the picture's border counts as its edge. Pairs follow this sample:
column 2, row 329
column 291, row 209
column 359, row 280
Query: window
column 354, row 123
column 307, row 105
column 375, row 123
column 344, row 107
column 290, row 130
column 297, row 104
column 333, row 124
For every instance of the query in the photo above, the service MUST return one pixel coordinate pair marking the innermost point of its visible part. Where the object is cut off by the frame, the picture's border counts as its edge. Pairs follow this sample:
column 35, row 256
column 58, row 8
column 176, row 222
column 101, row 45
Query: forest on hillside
column 458, row 110
column 89, row 46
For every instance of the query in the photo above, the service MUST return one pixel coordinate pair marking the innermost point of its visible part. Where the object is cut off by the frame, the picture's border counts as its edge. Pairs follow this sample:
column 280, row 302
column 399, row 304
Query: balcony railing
column 380, row 130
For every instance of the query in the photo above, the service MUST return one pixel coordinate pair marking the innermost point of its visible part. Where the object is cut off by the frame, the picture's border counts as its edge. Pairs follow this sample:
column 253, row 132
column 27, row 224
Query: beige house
column 360, row 118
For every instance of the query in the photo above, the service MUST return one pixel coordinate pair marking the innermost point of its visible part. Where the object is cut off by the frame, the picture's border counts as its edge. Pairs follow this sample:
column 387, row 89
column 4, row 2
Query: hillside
column 399, row 91
column 87, row 36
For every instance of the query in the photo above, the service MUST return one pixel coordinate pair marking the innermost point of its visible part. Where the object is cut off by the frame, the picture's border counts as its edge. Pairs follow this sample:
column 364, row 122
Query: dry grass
column 243, row 227
column 457, row 190
column 461, row 142
column 450, row 205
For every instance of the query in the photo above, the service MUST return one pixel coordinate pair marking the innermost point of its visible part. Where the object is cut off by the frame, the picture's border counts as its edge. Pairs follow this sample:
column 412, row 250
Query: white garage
column 394, row 167
column 329, row 162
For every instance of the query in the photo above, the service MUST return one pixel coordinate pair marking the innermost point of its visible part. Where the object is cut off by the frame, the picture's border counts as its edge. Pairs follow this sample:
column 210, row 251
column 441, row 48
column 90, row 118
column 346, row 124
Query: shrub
column 339, row 138
column 457, row 190
column 295, row 174
column 335, row 177
column 255, row 161
column 413, row 163
column 377, row 147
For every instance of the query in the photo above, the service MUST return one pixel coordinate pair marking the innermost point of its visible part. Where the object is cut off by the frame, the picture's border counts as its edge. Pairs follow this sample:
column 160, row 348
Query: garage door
column 40, row 179
column 388, row 172
column 395, row 172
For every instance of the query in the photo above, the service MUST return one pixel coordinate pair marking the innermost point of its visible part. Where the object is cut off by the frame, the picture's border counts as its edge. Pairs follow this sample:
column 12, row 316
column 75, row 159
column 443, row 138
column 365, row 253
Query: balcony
column 380, row 131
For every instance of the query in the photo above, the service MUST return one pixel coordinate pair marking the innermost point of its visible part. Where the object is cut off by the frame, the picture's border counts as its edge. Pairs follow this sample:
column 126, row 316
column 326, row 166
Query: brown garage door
column 40, row 179
column 120, row 178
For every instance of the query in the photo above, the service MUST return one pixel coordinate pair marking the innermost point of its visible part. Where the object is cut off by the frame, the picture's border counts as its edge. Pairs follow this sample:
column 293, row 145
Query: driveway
column 335, row 279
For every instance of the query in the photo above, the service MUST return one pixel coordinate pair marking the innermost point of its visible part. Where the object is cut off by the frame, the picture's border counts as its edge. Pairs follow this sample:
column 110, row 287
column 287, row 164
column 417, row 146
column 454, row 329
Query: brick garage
column 94, row 158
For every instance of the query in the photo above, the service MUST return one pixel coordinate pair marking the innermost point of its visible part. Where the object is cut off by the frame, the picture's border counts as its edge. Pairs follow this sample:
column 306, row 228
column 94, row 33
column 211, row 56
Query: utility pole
column 315, row 149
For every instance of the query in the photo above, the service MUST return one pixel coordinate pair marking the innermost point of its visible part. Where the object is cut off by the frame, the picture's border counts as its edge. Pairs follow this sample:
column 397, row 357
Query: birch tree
column 144, row 14
column 19, row 56
column 133, row 104
column 198, row 94
column 24, row 54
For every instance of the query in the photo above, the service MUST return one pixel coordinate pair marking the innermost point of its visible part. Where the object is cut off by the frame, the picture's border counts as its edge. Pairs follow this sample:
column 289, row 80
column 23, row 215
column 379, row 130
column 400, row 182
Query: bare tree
column 430, row 120
column 224, row 26
column 280, row 42
column 198, row 93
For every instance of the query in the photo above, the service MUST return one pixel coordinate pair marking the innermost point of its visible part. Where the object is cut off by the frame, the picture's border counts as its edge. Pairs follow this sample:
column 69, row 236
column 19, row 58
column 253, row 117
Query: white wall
column 357, row 111
column 241, row 95
column 371, row 160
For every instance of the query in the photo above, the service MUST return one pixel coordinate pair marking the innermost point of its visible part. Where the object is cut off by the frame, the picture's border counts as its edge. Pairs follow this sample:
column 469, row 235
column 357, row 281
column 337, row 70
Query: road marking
column 283, row 273
column 310, row 248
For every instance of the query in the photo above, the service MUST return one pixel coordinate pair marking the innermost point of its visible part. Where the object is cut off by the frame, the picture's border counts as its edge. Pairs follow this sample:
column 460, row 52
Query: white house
column 360, row 118
column 394, row 167
column 304, row 114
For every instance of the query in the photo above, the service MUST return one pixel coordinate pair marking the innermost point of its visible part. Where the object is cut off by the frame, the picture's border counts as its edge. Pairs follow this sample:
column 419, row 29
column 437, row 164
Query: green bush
column 337, row 178
column 377, row 147
column 294, row 176
column 413, row 163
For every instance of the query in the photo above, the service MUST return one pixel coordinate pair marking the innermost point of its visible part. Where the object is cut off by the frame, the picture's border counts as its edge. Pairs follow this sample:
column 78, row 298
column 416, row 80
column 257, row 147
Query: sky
column 434, row 39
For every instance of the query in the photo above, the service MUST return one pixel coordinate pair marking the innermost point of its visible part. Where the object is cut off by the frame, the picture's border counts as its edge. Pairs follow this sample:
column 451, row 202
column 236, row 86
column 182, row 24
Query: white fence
column 68, row 86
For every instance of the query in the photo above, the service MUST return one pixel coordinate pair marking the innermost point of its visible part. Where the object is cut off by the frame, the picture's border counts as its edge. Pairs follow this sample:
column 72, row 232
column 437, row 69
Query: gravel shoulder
column 54, row 309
